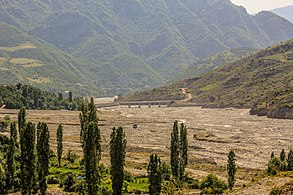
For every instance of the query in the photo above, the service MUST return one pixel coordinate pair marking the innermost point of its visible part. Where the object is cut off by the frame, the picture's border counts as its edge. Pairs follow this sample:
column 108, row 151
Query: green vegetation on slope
column 25, row 59
column 263, row 77
column 214, row 61
column 160, row 37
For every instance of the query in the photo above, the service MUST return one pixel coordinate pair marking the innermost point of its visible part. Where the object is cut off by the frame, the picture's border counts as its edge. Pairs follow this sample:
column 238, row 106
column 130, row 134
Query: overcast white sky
column 254, row 6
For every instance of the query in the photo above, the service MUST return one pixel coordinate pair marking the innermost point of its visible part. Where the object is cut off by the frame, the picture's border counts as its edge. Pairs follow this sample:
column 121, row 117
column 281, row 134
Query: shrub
column 71, row 156
column 69, row 182
column 105, row 190
column 212, row 185
column 275, row 192
column 79, row 186
column 275, row 165
column 166, row 171
column 52, row 180
column 128, row 176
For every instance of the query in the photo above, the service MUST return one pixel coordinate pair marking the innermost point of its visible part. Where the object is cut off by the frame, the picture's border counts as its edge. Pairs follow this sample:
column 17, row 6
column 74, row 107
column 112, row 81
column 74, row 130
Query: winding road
column 187, row 95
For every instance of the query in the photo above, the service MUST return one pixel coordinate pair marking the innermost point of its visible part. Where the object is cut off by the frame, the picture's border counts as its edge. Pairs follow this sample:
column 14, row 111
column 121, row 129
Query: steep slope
column 162, row 37
column 265, row 77
column 285, row 12
column 214, row 61
column 25, row 59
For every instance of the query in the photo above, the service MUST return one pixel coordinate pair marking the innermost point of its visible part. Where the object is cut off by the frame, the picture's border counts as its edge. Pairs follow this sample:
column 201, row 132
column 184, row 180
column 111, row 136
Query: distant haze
column 255, row 6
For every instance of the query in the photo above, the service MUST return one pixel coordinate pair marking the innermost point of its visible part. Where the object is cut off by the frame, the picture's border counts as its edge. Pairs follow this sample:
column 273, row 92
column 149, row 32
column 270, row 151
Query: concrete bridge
column 136, row 103
column 147, row 103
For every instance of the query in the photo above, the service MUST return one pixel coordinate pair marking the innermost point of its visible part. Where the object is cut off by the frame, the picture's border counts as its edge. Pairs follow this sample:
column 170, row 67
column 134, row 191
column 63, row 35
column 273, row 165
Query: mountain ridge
column 285, row 12
column 145, row 42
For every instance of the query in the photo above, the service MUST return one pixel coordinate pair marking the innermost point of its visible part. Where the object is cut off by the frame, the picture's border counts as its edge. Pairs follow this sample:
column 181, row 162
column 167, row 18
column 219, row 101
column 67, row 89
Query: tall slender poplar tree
column 117, row 154
column 13, row 133
column 10, row 162
column 27, row 166
column 21, row 120
column 59, row 136
column 43, row 151
column 175, row 155
column 183, row 149
column 231, row 167
column 90, row 141
column 91, row 158
column 155, row 175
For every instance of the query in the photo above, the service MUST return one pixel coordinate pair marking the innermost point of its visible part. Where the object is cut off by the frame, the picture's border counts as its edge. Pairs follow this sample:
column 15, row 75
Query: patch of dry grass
column 19, row 47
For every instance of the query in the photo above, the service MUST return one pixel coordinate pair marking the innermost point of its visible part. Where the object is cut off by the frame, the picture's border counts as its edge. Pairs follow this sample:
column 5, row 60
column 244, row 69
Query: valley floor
column 211, row 134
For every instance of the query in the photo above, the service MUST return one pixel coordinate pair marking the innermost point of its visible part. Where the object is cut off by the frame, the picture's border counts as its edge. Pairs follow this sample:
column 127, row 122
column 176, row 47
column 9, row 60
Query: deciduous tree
column 91, row 158
column 10, row 162
column 59, row 136
column 231, row 167
column 282, row 155
column 117, row 154
column 183, row 149
column 155, row 175
column 21, row 120
column 175, row 150
column 290, row 160
column 43, row 151
column 27, row 146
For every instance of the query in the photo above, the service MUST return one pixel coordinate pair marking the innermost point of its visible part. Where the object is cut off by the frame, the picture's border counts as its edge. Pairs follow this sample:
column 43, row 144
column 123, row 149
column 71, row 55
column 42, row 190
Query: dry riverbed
column 211, row 134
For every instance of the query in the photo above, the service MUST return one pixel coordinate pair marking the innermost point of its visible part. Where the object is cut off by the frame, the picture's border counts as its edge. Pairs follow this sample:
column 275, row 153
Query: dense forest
column 24, row 96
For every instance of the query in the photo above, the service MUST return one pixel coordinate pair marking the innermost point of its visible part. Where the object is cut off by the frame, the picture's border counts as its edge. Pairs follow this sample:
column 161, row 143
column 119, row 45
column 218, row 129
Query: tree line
column 25, row 96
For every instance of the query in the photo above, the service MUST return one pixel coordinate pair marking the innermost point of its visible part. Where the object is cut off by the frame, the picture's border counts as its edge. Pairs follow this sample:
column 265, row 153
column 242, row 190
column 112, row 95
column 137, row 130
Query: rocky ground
column 211, row 134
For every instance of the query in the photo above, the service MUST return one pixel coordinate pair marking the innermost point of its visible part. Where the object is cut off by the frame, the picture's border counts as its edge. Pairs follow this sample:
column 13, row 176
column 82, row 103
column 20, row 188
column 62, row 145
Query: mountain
column 27, row 59
column 285, row 12
column 264, row 77
column 144, row 43
column 214, row 61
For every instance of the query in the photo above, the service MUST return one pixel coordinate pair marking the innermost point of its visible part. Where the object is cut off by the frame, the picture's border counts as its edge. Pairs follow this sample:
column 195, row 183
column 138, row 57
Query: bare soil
column 211, row 134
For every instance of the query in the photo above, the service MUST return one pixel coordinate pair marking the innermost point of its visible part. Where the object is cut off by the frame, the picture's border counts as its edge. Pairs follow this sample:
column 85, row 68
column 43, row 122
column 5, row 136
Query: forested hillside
column 265, row 78
column 27, row 59
column 140, row 43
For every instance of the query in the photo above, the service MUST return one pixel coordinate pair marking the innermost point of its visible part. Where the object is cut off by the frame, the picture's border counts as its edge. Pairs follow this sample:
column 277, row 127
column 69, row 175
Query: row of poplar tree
column 35, row 154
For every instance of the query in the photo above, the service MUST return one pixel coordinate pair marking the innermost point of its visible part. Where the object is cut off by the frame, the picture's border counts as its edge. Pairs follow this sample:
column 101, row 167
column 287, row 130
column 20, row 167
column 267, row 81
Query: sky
column 255, row 6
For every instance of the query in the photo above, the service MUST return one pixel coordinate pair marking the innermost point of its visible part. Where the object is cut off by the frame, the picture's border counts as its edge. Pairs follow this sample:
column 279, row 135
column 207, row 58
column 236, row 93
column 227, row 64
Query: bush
column 275, row 165
column 79, row 186
column 52, row 180
column 128, row 176
column 192, row 183
column 212, row 185
column 166, row 171
column 71, row 156
column 275, row 192
column 105, row 190
column 69, row 182
column 52, row 154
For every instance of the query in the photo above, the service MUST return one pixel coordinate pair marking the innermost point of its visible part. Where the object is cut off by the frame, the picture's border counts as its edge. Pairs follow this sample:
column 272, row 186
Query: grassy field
column 18, row 47
column 26, row 62
column 2, row 60
column 40, row 80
